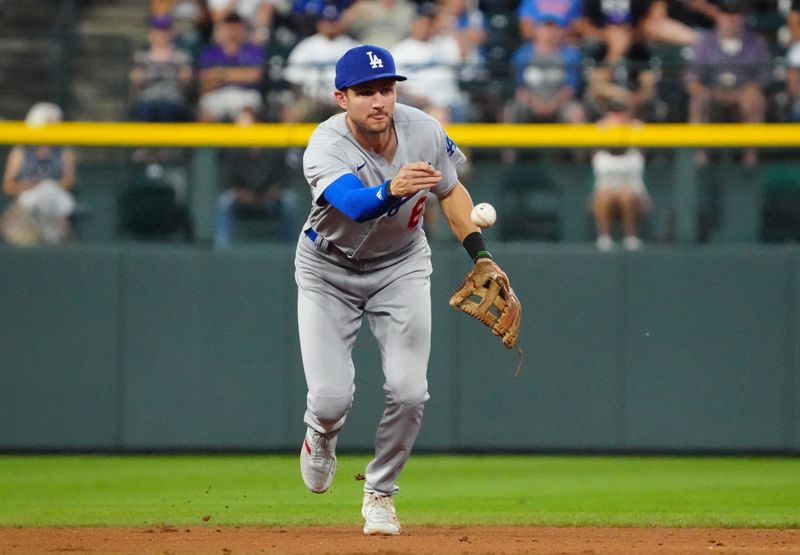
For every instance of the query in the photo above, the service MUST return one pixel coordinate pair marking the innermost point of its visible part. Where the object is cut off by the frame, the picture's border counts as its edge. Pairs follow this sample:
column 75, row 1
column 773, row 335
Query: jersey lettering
column 416, row 213
column 394, row 209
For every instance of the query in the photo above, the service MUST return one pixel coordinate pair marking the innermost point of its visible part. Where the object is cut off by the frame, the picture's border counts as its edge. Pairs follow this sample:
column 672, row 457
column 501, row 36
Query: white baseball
column 483, row 215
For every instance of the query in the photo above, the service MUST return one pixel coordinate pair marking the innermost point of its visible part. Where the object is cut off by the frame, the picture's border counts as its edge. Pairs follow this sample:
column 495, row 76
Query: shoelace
column 321, row 448
column 381, row 508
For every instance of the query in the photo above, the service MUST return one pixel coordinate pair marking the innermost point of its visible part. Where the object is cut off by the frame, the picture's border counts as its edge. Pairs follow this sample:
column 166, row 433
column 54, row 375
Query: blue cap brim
column 369, row 78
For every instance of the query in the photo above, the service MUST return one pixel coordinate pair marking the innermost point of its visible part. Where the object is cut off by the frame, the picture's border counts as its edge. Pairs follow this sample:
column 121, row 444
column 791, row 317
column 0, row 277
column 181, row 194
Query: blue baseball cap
column 365, row 63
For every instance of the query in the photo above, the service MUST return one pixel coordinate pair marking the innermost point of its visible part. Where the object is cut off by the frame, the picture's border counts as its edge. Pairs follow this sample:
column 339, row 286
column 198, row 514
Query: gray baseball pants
column 334, row 294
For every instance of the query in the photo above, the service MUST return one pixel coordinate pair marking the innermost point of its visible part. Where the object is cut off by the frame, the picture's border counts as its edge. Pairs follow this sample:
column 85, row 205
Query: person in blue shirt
column 548, row 78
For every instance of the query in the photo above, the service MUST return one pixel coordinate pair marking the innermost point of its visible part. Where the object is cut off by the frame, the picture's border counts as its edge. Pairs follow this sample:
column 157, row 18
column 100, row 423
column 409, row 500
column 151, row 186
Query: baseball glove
column 494, row 304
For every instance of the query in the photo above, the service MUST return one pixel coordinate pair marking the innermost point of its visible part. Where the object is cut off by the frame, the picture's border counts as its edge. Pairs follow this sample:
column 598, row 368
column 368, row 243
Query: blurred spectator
column 621, row 24
column 431, row 64
column 160, row 77
column 255, row 187
column 567, row 13
column 793, row 80
column 793, row 19
column 311, row 68
column 730, row 72
column 696, row 14
column 257, row 16
column 39, row 180
column 231, row 73
column 464, row 20
column 548, row 78
column 159, row 8
column 622, row 60
column 661, row 25
column 304, row 14
column 192, row 24
column 628, row 71
column 380, row 22
column 619, row 188
column 154, row 204
column 614, row 23
column 793, row 61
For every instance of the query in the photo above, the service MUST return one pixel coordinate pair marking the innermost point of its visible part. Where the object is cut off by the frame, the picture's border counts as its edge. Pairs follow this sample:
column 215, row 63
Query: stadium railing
column 545, row 149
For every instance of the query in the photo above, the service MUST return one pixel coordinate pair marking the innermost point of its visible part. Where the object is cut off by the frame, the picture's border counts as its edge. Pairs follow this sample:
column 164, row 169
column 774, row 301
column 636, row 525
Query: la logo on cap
column 352, row 69
column 374, row 61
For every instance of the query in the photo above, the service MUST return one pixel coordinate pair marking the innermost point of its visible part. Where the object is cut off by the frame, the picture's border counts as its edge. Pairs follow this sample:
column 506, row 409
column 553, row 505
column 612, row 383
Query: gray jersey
column 333, row 151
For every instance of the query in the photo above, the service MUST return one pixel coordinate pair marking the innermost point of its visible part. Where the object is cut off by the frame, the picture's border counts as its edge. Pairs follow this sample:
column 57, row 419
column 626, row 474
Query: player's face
column 370, row 106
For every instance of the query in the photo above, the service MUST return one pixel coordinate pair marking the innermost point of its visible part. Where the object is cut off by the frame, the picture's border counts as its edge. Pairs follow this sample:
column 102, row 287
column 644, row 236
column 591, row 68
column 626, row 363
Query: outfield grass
column 267, row 490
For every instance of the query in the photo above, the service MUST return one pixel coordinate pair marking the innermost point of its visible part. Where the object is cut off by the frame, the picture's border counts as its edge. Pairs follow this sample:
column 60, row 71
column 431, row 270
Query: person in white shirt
column 465, row 21
column 619, row 188
column 39, row 179
column 311, row 69
column 432, row 63
column 383, row 23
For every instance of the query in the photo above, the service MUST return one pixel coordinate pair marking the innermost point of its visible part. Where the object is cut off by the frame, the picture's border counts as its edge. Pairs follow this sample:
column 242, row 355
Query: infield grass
column 94, row 490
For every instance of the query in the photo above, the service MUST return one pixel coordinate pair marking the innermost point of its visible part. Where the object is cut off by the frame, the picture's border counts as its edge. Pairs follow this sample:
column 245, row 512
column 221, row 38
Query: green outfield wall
column 168, row 347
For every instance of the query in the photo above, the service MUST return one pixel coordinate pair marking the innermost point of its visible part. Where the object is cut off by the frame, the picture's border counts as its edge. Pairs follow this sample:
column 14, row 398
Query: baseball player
column 363, row 252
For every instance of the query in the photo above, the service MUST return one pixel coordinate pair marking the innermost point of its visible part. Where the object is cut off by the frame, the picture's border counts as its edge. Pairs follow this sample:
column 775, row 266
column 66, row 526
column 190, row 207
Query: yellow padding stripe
column 156, row 134
column 474, row 135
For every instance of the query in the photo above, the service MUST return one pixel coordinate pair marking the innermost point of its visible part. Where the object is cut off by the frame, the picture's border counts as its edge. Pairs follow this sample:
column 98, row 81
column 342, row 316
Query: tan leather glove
column 496, row 306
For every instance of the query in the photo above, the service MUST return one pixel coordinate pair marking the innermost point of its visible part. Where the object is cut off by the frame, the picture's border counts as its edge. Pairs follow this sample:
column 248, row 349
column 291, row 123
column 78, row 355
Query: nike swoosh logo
column 358, row 168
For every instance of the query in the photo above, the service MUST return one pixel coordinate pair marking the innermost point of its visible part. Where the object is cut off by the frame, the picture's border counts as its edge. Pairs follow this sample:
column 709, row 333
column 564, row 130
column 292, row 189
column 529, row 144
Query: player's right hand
column 414, row 177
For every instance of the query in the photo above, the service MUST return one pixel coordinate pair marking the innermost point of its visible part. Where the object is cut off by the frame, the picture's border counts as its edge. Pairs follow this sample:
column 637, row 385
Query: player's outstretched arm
column 456, row 208
column 414, row 177
column 498, row 306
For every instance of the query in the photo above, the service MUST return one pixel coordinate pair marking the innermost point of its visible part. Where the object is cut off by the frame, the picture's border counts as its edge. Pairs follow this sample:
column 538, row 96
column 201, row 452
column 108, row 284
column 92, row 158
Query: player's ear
column 341, row 99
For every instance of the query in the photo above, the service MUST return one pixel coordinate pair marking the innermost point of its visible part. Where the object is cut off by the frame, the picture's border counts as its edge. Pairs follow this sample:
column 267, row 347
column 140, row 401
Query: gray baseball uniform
column 381, row 268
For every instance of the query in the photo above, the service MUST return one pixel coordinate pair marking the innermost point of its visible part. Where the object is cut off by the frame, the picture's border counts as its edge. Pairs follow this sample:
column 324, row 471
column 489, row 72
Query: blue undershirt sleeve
column 349, row 195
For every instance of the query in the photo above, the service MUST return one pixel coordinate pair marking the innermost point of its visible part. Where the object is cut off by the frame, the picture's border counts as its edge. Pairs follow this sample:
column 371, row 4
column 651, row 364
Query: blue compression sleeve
column 348, row 195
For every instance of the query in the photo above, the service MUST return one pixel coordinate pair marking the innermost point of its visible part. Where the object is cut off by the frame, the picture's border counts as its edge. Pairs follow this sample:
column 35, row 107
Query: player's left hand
column 414, row 177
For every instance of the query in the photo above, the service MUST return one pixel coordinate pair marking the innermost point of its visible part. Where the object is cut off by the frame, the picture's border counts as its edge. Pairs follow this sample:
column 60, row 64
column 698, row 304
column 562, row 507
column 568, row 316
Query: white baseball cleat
column 317, row 461
column 380, row 516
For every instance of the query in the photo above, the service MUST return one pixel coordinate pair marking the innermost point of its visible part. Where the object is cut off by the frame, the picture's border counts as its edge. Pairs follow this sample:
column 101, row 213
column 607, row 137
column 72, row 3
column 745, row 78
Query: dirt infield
column 415, row 539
